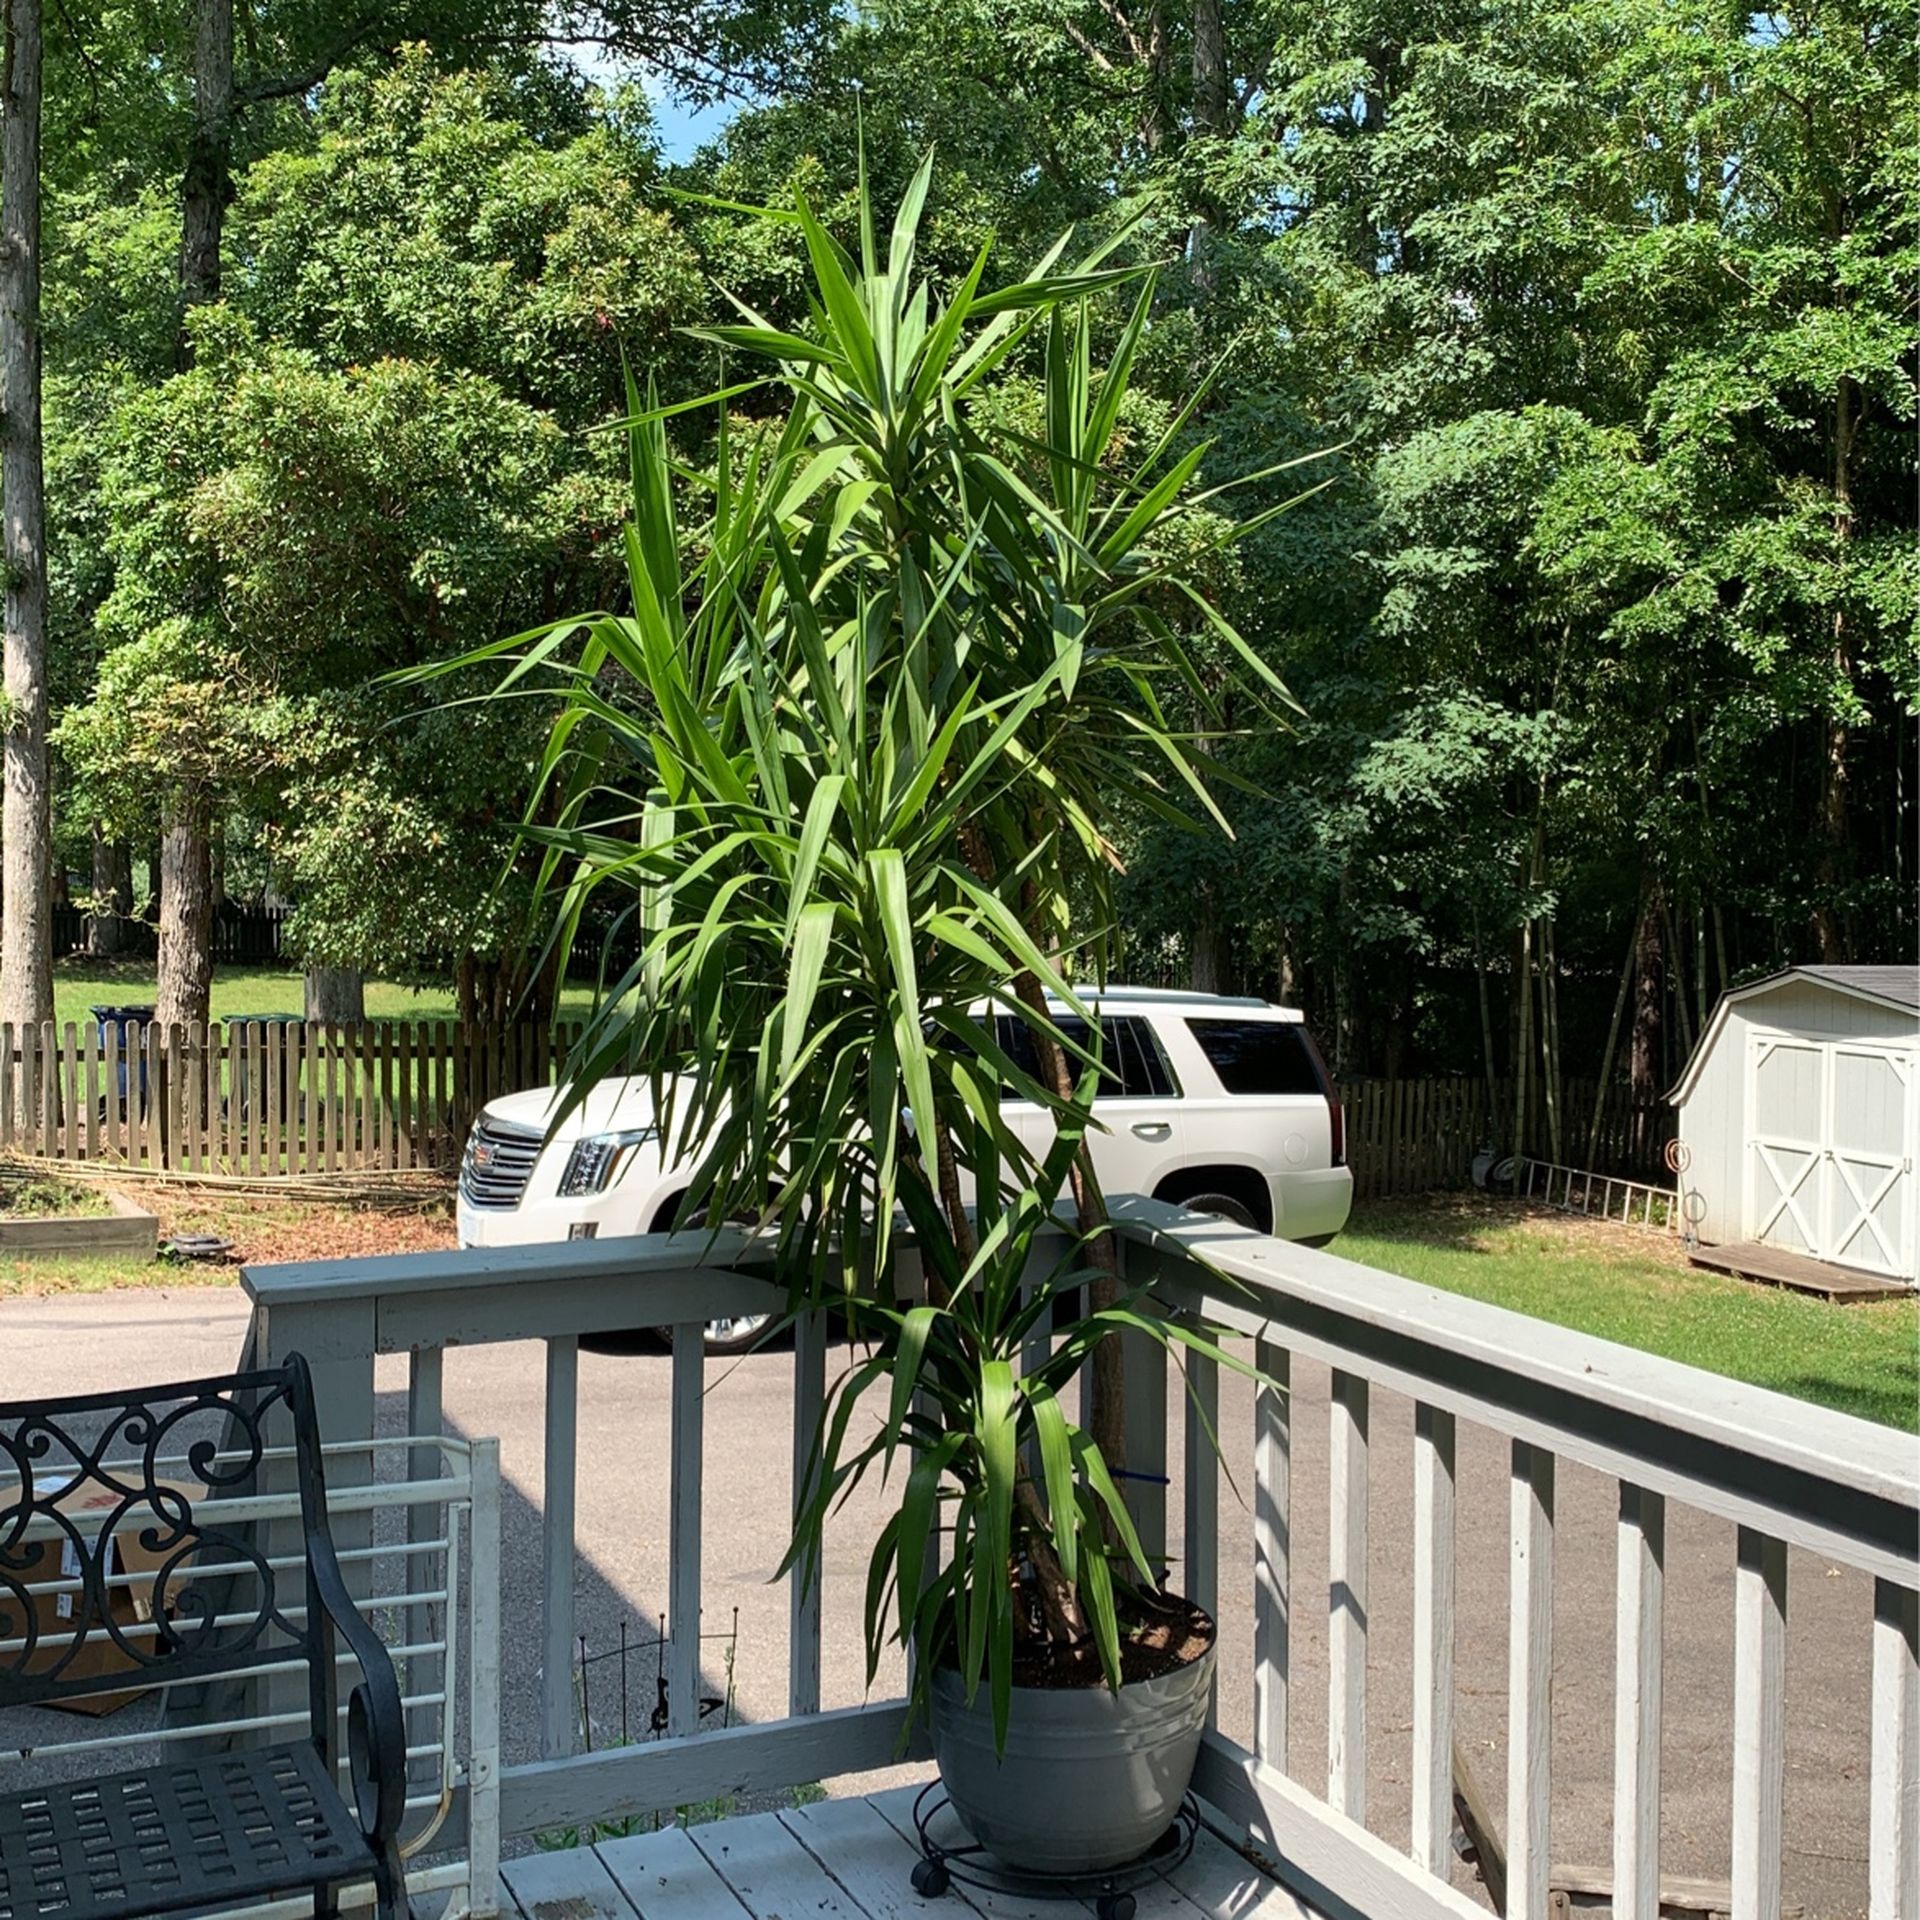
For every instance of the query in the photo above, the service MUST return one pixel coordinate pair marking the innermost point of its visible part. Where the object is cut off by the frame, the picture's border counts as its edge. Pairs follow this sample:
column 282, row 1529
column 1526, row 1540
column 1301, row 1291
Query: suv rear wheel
column 1222, row 1206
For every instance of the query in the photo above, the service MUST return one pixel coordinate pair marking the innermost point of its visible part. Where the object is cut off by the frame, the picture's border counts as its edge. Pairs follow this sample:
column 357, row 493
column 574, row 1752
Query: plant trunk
column 112, row 897
column 26, row 814
column 186, row 917
column 1108, row 1420
column 336, row 996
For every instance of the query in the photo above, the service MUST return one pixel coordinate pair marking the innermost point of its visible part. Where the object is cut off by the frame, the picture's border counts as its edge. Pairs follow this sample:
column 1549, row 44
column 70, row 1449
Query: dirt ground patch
column 264, row 1230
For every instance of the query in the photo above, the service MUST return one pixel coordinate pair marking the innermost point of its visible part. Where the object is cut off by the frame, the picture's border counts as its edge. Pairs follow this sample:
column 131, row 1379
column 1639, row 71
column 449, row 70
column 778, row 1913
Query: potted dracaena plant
column 852, row 757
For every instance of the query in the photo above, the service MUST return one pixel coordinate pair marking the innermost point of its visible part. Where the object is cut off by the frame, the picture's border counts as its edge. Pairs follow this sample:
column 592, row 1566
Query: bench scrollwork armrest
column 376, row 1723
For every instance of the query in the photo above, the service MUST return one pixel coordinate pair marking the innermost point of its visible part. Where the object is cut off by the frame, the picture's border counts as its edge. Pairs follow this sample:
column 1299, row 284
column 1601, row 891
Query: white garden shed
column 1799, row 1115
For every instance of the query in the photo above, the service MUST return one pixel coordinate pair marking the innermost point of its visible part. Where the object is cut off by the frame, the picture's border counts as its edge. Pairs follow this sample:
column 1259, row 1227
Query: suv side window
column 1132, row 1065
column 1261, row 1056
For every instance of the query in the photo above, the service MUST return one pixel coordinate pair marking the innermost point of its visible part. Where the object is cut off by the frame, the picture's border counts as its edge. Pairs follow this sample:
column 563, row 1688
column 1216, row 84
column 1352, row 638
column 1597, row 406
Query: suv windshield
column 1261, row 1056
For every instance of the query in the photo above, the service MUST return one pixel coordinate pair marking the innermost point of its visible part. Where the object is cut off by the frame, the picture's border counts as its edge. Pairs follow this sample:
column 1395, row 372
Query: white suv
column 1221, row 1105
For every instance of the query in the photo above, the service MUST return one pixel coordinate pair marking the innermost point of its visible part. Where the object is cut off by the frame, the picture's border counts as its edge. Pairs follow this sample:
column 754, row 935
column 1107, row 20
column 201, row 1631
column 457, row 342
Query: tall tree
column 26, row 957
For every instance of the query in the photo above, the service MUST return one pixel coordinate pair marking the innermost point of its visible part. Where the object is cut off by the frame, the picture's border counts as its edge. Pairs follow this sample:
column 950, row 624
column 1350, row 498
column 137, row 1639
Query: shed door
column 1869, row 1164
column 1830, row 1151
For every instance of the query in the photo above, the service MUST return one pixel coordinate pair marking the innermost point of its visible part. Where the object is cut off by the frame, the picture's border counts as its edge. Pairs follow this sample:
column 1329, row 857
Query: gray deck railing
column 1785, row 1473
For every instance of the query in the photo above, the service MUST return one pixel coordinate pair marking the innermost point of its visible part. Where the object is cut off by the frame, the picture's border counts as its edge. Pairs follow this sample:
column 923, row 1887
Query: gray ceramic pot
column 1090, row 1778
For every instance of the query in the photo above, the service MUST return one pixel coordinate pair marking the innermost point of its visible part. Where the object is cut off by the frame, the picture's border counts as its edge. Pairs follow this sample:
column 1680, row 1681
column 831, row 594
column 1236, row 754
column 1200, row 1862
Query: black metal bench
column 84, row 1494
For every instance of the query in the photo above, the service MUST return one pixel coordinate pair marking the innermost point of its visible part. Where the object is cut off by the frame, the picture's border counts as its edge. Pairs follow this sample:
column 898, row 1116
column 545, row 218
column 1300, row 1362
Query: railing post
column 1433, row 1591
column 1272, row 1550
column 803, row 1617
column 1347, row 1597
column 683, row 1529
column 1759, row 1723
column 558, row 1724
column 1530, row 1684
column 1636, row 1704
column 1894, row 1827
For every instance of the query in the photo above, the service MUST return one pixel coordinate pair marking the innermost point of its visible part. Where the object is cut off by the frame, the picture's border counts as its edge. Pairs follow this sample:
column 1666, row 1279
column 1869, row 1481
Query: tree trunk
column 186, row 865
column 1523, row 1039
column 1649, row 992
column 1612, row 1047
column 207, row 185
column 336, row 996
column 112, row 897
column 26, row 814
column 186, row 917
column 1209, row 952
column 1209, row 67
column 1828, row 923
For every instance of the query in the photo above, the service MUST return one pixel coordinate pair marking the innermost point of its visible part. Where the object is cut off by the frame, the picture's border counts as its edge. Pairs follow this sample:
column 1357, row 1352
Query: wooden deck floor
column 835, row 1860
column 1804, row 1274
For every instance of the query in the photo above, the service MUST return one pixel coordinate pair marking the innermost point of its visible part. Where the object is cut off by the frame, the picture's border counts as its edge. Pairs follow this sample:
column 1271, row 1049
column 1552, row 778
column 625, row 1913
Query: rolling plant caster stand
column 1111, row 1893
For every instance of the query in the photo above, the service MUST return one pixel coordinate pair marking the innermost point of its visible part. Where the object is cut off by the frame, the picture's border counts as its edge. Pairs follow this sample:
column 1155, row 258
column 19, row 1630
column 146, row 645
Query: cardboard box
column 60, row 1613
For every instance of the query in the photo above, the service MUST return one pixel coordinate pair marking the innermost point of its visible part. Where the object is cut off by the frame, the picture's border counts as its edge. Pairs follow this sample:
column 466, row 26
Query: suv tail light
column 1336, row 1114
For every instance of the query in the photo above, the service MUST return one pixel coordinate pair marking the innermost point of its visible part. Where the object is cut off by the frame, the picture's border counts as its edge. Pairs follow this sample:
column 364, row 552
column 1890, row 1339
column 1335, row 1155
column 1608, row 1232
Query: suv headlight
column 598, row 1160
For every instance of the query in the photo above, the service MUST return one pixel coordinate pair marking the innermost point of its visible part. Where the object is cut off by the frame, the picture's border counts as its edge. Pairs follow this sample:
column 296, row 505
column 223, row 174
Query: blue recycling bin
column 120, row 1019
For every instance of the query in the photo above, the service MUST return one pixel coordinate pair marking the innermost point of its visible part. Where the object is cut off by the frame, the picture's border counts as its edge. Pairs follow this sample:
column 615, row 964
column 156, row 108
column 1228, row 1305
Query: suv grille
column 498, row 1163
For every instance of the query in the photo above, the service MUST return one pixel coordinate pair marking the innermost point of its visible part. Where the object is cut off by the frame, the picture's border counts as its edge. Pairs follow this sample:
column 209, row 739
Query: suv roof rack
column 1181, row 993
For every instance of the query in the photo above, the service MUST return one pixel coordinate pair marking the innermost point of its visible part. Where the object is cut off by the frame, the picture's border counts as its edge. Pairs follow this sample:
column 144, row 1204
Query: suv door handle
column 1153, row 1129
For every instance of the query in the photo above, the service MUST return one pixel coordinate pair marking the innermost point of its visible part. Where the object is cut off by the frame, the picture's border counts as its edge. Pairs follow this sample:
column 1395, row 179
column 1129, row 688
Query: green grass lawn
column 80, row 984
column 1638, row 1289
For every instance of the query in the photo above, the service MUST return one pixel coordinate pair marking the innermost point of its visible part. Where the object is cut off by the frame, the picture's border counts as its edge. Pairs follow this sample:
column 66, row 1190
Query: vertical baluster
column 1759, row 1723
column 1347, row 1598
column 1433, row 1567
column 1636, row 1704
column 483, row 1699
column 425, row 1371
column 558, row 1728
column 1894, row 1831
column 1202, row 1545
column 1145, row 1488
column 803, row 1591
column 1272, row 1550
column 1530, row 1684
column 683, row 1529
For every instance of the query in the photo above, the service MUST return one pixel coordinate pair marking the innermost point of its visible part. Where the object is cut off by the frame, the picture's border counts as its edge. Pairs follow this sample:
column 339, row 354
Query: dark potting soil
column 1166, row 1633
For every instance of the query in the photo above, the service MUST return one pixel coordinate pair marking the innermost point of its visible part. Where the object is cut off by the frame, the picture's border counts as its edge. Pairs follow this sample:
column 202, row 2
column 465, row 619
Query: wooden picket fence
column 272, row 1098
column 263, row 1099
column 1413, row 1136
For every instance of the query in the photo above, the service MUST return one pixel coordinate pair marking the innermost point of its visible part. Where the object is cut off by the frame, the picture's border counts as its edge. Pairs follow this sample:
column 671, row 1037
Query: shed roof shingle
column 1889, row 983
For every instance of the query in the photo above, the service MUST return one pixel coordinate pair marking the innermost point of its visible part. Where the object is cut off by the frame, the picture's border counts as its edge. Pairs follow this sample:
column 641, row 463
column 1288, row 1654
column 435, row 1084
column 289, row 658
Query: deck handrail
column 1785, row 1472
